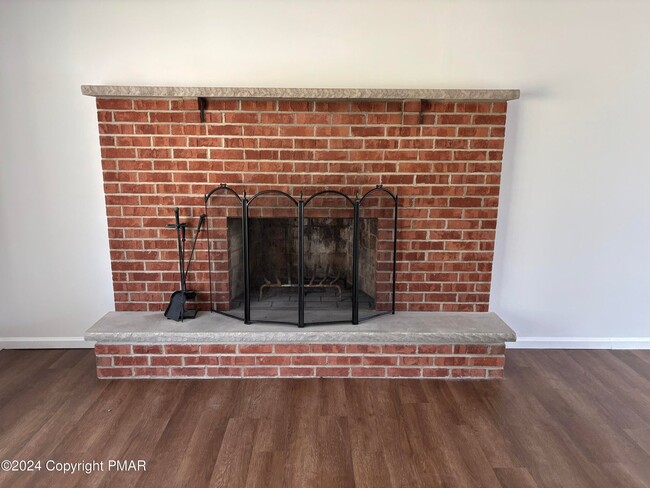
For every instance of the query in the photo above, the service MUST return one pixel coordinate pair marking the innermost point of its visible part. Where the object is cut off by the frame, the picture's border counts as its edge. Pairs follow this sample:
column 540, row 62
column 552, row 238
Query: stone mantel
column 107, row 91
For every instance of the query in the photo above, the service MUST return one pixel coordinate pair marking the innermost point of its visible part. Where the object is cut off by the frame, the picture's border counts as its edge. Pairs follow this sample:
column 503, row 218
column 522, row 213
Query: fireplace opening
column 326, row 259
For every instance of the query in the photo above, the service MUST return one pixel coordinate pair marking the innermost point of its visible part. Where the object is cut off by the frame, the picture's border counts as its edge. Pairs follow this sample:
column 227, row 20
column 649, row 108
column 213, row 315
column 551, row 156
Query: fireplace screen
column 320, row 260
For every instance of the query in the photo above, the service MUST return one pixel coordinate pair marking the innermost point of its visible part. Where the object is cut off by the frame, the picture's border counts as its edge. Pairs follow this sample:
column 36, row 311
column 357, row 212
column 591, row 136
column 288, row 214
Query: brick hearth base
column 300, row 360
column 405, row 345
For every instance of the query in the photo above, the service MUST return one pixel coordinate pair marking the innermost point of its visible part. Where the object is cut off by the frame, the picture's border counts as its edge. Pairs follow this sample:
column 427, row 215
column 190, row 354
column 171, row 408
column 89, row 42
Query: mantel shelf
column 106, row 91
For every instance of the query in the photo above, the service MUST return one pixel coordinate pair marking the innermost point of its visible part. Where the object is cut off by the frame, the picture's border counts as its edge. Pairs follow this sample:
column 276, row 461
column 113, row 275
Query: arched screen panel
column 273, row 256
column 328, row 266
column 223, row 208
column 377, row 242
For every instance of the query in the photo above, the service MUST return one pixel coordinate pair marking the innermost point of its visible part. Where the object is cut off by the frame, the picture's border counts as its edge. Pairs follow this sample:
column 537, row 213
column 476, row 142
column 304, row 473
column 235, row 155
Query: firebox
column 329, row 258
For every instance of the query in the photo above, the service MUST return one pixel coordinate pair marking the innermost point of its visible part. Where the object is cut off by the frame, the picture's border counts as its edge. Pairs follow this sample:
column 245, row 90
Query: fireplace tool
column 176, row 309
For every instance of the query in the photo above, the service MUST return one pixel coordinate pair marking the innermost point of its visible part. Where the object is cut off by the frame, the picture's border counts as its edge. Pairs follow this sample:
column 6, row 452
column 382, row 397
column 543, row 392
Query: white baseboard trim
column 580, row 343
column 45, row 343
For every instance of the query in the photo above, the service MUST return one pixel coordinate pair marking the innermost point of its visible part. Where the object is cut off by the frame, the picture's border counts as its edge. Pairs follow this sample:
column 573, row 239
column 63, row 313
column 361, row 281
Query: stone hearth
column 405, row 345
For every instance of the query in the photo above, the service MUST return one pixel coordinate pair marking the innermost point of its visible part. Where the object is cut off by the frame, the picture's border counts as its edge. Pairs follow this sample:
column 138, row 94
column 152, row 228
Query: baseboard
column 580, row 343
column 45, row 343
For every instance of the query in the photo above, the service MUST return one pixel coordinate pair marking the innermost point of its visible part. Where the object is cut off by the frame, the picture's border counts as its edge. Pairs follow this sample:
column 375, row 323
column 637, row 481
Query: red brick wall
column 443, row 159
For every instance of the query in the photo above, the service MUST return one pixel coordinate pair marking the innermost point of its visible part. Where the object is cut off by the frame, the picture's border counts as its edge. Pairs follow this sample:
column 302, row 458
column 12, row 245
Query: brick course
column 300, row 360
column 443, row 159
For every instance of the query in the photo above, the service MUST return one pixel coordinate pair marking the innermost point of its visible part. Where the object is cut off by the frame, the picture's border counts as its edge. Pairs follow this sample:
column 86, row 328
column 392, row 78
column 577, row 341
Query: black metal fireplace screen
column 321, row 260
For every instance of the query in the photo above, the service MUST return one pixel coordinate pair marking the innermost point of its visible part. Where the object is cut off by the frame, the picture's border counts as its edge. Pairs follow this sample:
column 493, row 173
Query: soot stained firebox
column 325, row 259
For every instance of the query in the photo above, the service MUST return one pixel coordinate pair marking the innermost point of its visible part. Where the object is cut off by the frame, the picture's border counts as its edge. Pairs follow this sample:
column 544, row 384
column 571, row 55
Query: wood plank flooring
column 559, row 419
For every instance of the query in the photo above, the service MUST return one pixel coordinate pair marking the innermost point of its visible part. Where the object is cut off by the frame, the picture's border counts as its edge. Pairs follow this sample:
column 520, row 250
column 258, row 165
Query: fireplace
column 327, row 258
column 440, row 150
column 321, row 152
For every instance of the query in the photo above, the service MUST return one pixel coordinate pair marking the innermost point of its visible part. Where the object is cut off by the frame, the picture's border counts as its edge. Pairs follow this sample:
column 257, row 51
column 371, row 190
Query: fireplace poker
column 196, row 235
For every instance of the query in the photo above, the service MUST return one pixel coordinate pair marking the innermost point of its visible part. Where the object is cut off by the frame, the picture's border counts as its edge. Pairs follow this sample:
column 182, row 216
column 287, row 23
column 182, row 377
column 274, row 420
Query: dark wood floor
column 559, row 419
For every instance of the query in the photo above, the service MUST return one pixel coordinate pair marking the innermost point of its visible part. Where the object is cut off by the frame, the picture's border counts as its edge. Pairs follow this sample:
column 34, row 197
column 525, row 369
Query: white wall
column 574, row 227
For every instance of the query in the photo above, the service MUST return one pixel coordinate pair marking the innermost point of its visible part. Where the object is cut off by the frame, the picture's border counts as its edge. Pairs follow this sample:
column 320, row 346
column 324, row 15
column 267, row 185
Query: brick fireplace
column 443, row 159
column 440, row 151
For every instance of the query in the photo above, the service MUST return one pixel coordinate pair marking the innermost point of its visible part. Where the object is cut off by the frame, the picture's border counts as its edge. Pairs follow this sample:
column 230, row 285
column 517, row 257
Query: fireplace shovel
column 176, row 309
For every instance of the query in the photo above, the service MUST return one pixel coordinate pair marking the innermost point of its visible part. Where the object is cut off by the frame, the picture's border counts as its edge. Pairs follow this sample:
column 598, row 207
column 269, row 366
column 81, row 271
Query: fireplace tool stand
column 176, row 309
